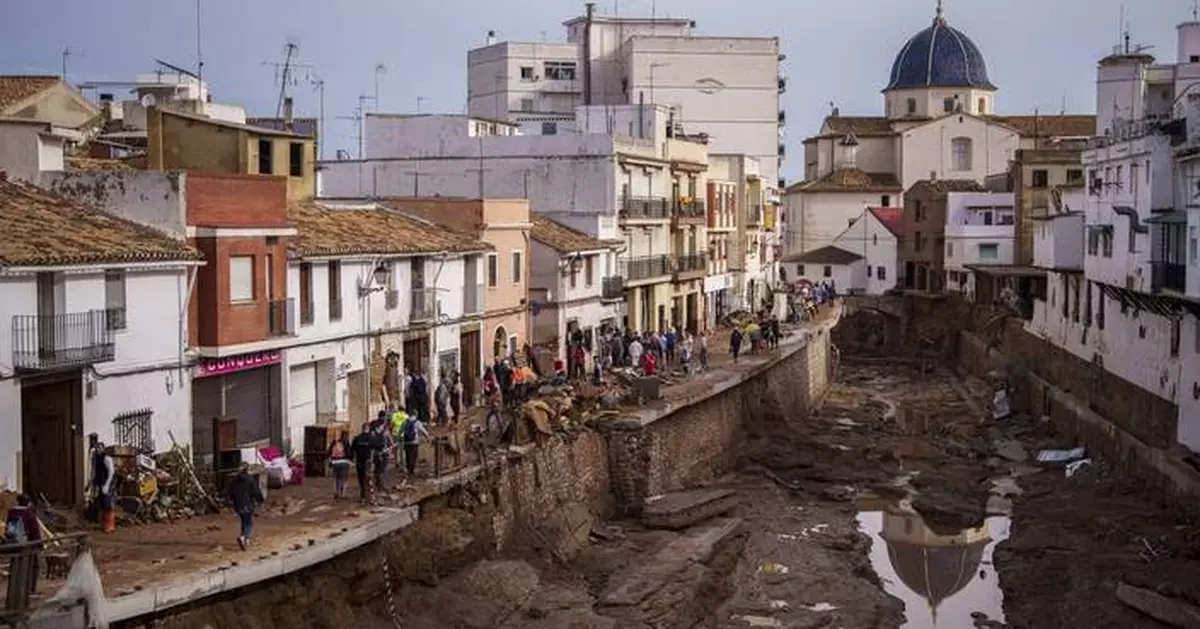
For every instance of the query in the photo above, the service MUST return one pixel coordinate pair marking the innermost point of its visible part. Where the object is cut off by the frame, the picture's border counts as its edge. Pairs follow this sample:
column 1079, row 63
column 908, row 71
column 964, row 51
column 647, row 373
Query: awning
column 1007, row 270
column 1174, row 217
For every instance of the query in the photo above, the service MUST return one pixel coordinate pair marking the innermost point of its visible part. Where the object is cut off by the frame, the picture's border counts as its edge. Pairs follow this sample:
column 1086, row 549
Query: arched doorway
column 500, row 344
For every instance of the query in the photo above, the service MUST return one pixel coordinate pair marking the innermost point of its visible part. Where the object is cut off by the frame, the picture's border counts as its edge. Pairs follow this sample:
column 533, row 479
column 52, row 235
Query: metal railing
column 424, row 305
column 59, row 341
column 473, row 299
column 689, row 209
column 307, row 308
column 335, row 310
column 691, row 263
column 1169, row 276
column 645, row 208
column 279, row 317
column 612, row 288
column 646, row 267
column 24, row 562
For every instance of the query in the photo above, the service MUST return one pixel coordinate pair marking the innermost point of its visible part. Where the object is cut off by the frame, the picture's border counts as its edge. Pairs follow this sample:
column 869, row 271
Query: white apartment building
column 623, row 174
column 93, row 338
column 29, row 148
column 1134, row 308
column 727, row 87
column 980, row 231
column 750, row 251
column 381, row 289
column 574, row 284
column 863, row 259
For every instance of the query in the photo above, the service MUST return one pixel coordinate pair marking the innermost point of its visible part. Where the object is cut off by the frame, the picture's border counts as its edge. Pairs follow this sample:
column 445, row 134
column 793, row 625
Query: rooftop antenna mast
column 66, row 54
column 358, row 117
column 199, row 44
column 285, row 76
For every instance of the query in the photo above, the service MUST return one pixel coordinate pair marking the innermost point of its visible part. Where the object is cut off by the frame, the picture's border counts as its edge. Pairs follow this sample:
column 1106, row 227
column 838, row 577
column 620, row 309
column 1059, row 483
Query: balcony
column 690, row 266
column 335, row 310
column 689, row 212
column 1169, row 276
column 424, row 306
column 645, row 208
column 307, row 308
column 61, row 341
column 612, row 288
column 279, row 317
column 473, row 299
column 646, row 267
column 754, row 214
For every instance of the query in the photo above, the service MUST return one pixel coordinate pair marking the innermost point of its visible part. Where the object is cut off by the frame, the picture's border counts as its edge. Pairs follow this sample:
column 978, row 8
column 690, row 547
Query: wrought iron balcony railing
column 62, row 341
column 645, row 208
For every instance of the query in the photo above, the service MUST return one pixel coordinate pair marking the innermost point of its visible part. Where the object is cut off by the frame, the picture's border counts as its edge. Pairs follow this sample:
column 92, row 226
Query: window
column 1100, row 308
column 1106, row 243
column 560, row 70
column 114, row 299
column 982, row 106
column 589, row 271
column 526, row 73
column 868, row 271
column 919, row 210
column 1075, row 299
column 1041, row 178
column 133, row 429
column 950, row 249
column 1192, row 246
column 527, row 104
column 989, row 251
column 334, row 269
column 493, row 270
column 516, row 267
column 1093, row 241
column 241, row 278
column 549, row 128
column 827, row 271
column 874, row 239
column 1075, row 176
column 960, row 154
column 306, row 299
column 1087, row 304
column 574, row 273
column 885, row 201
column 880, row 273
column 947, row 105
column 912, row 106
column 1174, row 337
column 918, row 242
column 266, row 157
column 800, row 270
column 296, row 159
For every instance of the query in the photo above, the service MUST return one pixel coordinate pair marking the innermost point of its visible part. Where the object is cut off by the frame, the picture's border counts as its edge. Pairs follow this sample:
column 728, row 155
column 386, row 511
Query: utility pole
column 319, row 85
column 199, row 45
column 359, row 115
column 66, row 54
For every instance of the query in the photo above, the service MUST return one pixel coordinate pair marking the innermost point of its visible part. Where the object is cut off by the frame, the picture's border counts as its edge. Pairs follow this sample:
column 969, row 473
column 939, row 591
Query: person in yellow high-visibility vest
column 397, row 424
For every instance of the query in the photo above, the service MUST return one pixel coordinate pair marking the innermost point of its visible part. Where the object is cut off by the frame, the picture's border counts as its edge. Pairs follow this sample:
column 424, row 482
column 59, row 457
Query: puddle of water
column 942, row 579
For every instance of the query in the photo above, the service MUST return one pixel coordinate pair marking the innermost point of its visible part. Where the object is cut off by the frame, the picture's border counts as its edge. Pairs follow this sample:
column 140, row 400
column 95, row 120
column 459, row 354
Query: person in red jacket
column 649, row 364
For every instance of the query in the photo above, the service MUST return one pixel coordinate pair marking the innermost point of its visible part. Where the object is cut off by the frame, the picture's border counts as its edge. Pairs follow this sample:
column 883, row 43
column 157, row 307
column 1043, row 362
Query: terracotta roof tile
column 852, row 180
column 41, row 229
column 16, row 88
column 824, row 255
column 331, row 231
column 1070, row 125
column 943, row 186
column 858, row 125
column 891, row 218
column 561, row 238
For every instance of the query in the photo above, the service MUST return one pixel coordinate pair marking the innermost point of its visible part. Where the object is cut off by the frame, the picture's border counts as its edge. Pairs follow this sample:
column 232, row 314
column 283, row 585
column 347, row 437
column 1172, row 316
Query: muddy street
column 901, row 503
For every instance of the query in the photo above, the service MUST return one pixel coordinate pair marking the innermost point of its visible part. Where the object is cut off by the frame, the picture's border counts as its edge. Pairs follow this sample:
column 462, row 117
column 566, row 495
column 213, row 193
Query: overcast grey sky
column 1039, row 52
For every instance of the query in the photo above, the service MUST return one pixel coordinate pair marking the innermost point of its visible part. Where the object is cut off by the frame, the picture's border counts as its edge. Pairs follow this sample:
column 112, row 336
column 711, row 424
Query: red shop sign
column 219, row 366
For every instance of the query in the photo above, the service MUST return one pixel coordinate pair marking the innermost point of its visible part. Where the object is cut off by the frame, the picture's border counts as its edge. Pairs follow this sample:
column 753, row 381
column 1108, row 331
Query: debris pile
column 160, row 489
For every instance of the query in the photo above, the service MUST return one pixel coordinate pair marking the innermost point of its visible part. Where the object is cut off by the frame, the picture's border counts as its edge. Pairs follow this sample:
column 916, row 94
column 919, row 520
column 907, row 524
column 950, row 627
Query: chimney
column 288, row 123
column 491, row 38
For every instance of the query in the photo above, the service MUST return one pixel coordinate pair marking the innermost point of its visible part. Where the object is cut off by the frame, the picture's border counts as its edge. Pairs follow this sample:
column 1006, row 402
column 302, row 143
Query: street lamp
column 378, row 282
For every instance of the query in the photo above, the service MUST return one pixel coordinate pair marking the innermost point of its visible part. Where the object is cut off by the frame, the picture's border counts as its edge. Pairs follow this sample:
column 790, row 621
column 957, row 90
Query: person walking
column 414, row 429
column 382, row 447
column 339, row 462
column 704, row 350
column 362, row 453
column 456, row 396
column 441, row 400
column 735, row 343
column 246, row 495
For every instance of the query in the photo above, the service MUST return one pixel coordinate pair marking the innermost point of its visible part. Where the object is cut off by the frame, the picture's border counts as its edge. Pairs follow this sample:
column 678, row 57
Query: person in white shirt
column 635, row 353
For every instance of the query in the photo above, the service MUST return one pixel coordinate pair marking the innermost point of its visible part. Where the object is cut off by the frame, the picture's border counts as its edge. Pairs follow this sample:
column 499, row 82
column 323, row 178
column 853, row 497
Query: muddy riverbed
column 901, row 503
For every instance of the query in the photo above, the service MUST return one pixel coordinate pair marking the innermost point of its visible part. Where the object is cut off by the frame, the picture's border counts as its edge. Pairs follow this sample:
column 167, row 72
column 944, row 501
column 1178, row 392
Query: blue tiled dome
column 939, row 56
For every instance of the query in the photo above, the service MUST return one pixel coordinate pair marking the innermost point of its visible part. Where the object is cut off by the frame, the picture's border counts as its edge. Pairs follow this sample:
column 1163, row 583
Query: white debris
column 1060, row 456
column 1074, row 466
column 780, row 605
column 773, row 568
column 820, row 607
column 760, row 621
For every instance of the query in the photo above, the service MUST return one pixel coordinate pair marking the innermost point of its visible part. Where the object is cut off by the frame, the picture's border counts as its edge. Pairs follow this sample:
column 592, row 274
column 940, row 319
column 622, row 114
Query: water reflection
column 942, row 579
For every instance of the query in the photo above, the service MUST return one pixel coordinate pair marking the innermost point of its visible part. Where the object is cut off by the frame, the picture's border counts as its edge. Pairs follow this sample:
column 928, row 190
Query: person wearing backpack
column 21, row 527
column 412, row 432
column 339, row 461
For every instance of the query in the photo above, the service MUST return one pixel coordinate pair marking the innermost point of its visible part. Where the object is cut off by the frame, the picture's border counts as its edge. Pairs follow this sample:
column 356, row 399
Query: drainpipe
column 587, row 52
column 187, row 301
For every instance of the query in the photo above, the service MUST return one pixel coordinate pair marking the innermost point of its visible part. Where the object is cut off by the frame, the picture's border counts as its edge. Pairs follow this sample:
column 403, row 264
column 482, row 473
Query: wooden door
column 468, row 348
column 51, row 426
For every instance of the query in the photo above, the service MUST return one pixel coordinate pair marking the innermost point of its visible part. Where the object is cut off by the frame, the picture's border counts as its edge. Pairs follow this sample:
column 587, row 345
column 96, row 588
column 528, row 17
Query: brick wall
column 228, row 200
column 217, row 320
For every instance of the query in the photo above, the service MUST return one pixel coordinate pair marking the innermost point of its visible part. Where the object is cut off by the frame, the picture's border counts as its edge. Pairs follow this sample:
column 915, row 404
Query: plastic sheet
column 83, row 583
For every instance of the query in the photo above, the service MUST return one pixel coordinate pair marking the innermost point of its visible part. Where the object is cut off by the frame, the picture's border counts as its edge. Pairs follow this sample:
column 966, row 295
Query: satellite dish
column 148, row 100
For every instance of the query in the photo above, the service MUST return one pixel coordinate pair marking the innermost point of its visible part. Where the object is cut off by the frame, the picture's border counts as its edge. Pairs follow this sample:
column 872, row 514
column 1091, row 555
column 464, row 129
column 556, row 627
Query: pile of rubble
column 161, row 488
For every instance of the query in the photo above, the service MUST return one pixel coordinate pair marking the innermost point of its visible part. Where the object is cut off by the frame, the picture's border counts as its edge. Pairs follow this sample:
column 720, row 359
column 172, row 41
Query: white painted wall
column 497, row 87
column 146, row 372
column 928, row 149
column 816, row 219
column 152, row 198
column 869, row 238
column 26, row 152
column 846, row 277
column 1058, row 243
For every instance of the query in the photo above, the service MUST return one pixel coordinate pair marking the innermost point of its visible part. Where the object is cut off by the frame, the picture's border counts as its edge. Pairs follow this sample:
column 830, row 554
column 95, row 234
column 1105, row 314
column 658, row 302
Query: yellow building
column 179, row 141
